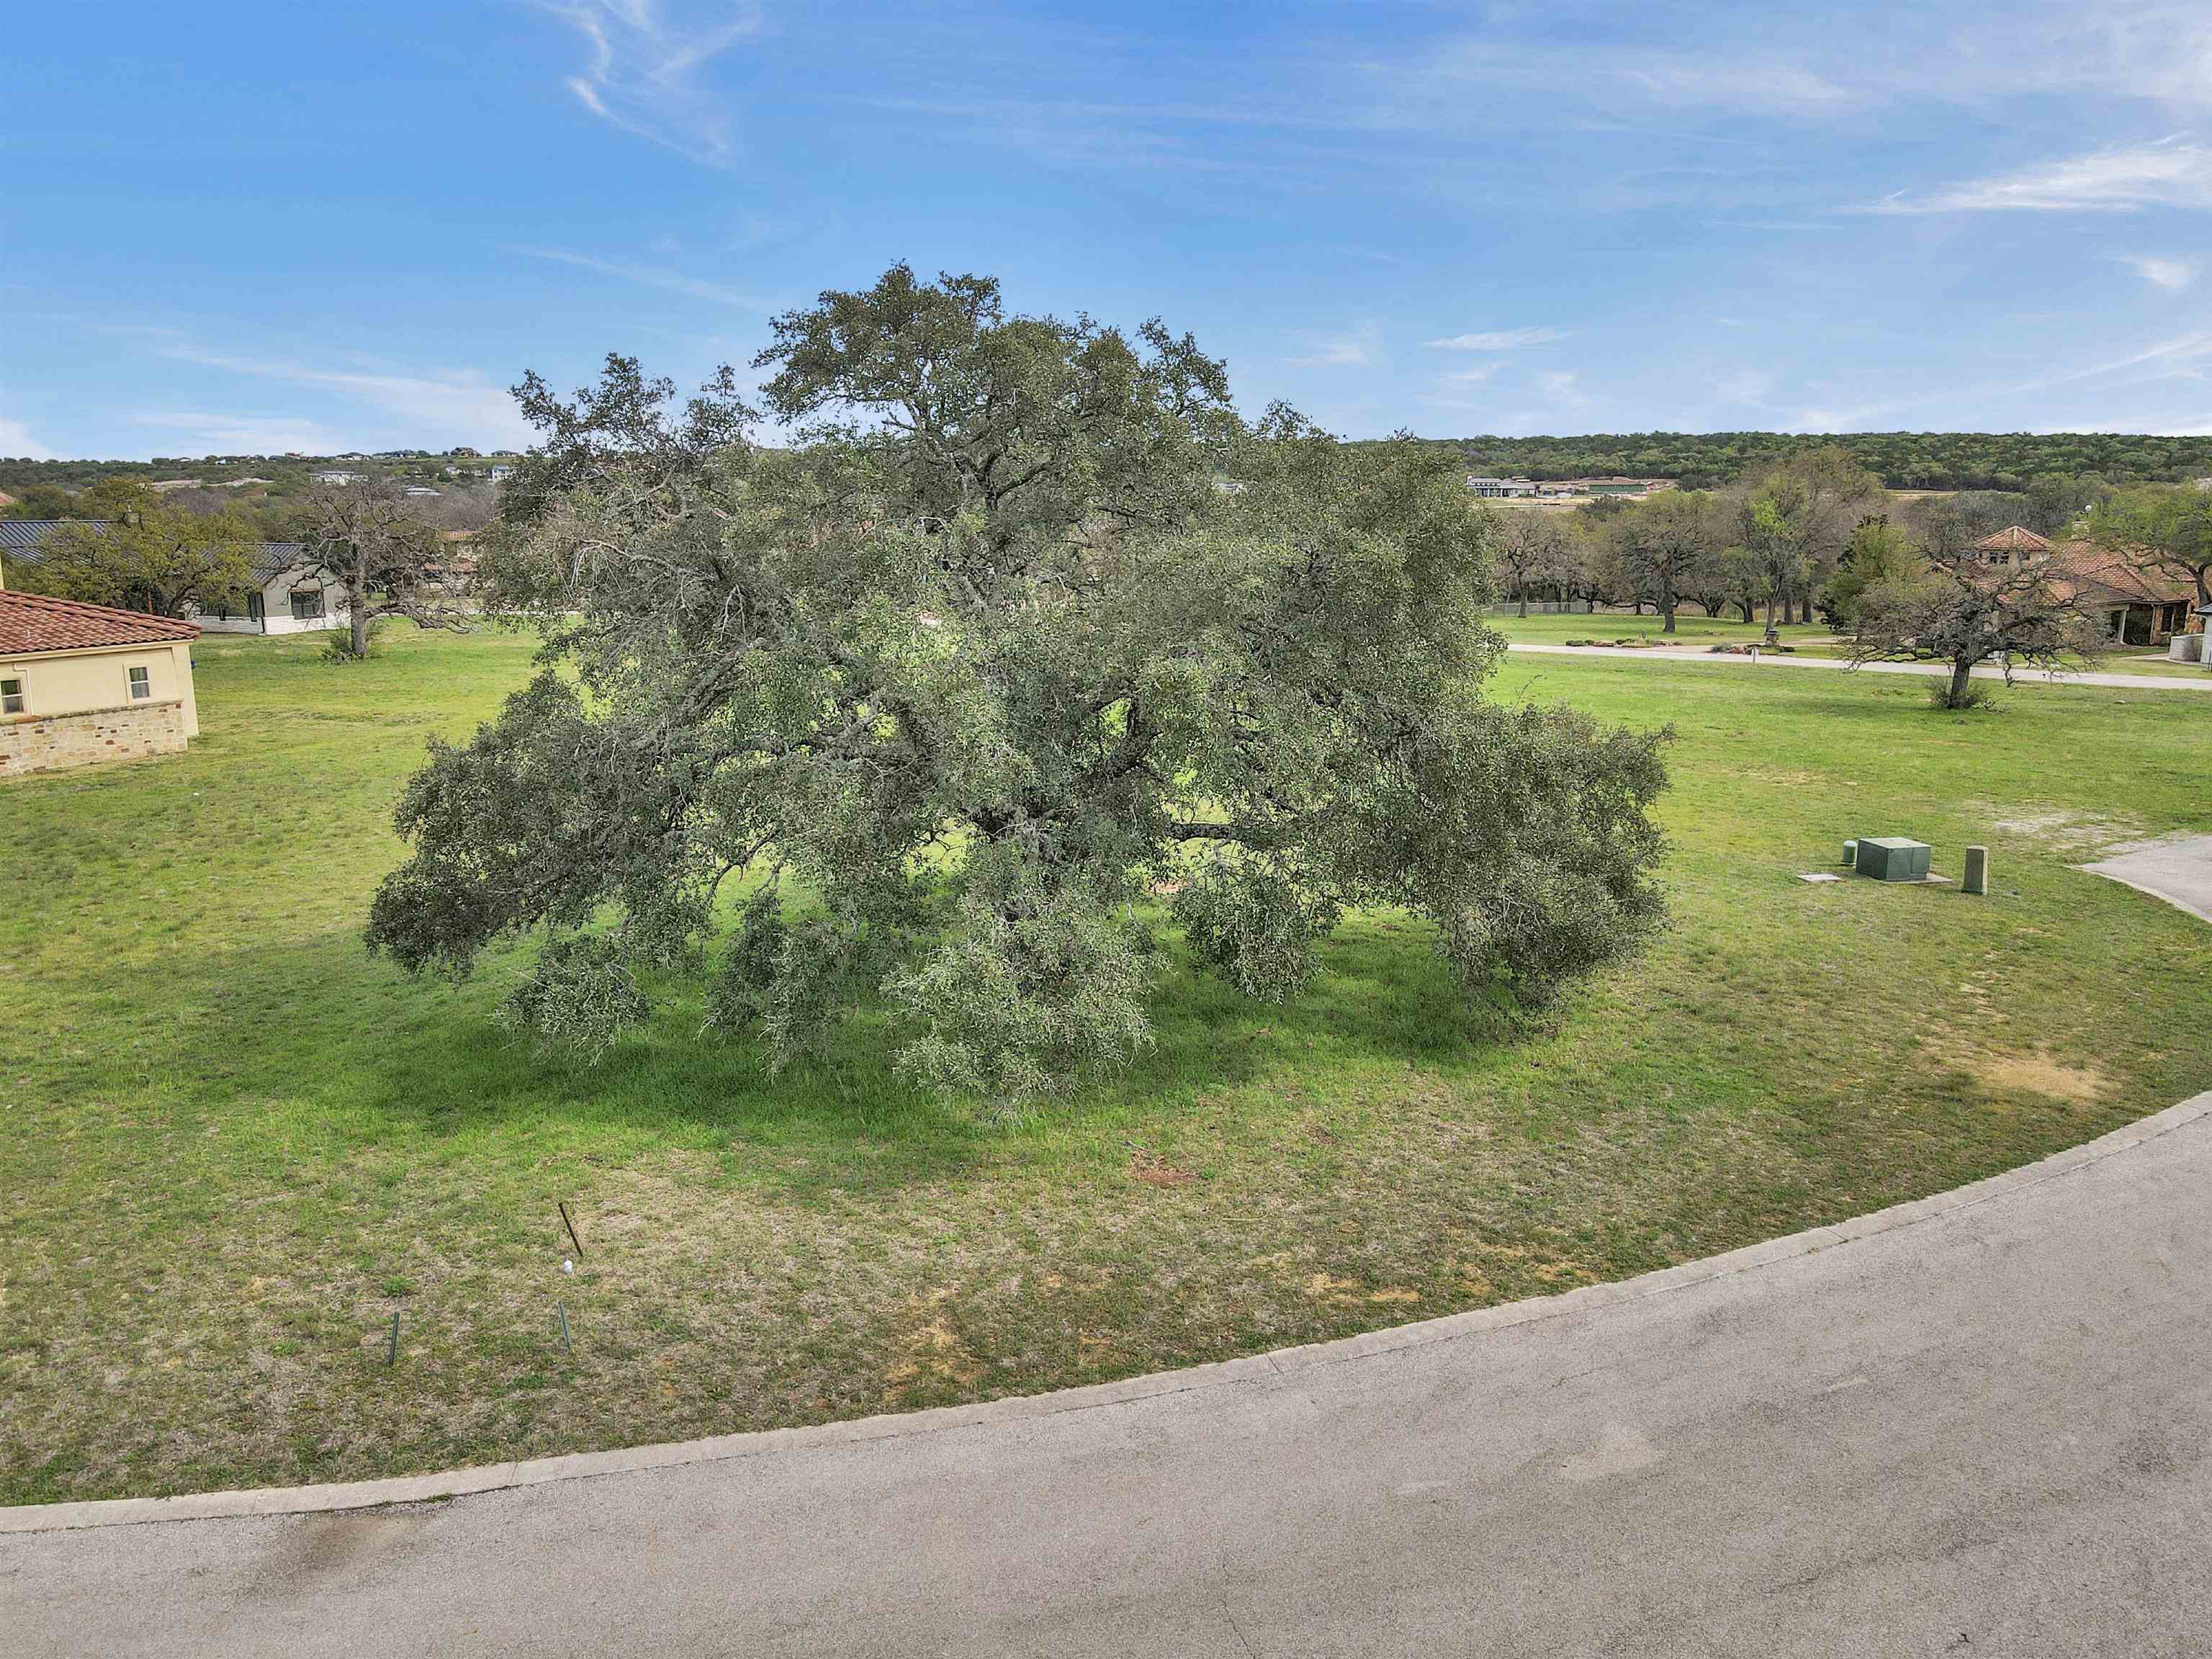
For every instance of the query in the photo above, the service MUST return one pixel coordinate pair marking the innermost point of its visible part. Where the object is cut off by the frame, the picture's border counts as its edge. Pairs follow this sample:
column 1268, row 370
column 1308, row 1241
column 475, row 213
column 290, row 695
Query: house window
column 141, row 684
column 307, row 603
column 11, row 697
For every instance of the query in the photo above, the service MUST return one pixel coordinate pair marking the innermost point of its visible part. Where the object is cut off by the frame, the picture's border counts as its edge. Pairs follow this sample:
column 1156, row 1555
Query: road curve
column 2192, row 682
column 1974, row 1425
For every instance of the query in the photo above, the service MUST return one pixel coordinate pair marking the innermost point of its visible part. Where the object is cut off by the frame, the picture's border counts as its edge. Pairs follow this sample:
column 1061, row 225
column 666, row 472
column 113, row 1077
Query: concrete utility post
column 2204, row 623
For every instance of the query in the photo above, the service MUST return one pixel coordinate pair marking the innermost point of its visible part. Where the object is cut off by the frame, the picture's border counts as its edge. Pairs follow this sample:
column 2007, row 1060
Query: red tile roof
column 31, row 622
column 2102, row 573
column 2013, row 539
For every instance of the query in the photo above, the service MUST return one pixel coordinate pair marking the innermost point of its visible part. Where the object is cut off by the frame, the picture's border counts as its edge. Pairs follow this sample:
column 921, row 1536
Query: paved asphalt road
column 2189, row 682
column 1977, row 1426
column 2178, row 870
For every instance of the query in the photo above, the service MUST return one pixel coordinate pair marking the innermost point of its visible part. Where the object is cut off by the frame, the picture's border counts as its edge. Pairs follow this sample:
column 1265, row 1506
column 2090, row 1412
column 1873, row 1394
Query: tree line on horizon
column 2006, row 461
column 1900, row 460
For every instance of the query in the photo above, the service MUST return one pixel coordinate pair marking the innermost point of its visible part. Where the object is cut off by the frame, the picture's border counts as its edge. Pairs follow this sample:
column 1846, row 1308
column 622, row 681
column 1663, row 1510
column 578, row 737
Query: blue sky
column 269, row 227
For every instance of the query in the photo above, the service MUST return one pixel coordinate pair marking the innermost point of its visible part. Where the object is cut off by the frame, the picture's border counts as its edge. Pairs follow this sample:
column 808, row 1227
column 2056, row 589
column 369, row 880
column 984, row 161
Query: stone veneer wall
column 47, row 743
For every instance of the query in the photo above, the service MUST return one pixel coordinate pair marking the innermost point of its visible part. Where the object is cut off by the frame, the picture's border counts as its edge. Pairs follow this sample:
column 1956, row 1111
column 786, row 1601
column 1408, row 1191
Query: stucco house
column 2140, row 604
column 290, row 593
column 80, row 684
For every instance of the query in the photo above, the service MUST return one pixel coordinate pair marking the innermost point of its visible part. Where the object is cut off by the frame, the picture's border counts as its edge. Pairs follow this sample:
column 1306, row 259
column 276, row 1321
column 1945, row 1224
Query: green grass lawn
column 1691, row 628
column 234, row 1145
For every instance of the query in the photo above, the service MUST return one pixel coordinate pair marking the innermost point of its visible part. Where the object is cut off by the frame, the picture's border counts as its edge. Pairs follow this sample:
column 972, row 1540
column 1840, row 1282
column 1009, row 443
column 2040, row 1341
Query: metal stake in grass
column 392, row 1353
column 562, row 1309
column 571, row 1226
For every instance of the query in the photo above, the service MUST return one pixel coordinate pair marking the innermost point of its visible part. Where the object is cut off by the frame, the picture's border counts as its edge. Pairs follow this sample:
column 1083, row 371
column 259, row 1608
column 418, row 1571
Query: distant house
column 2013, row 545
column 500, row 472
column 1622, row 486
column 81, row 685
column 418, row 489
column 2140, row 604
column 1501, row 489
column 336, row 475
column 287, row 592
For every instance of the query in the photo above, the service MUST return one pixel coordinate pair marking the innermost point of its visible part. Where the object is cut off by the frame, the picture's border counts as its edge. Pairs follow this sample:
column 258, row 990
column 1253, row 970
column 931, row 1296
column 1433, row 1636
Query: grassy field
column 1690, row 628
column 234, row 1145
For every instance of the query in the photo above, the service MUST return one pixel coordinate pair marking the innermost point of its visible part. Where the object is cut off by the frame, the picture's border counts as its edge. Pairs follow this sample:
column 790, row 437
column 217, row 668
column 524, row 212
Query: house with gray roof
column 287, row 591
column 289, row 594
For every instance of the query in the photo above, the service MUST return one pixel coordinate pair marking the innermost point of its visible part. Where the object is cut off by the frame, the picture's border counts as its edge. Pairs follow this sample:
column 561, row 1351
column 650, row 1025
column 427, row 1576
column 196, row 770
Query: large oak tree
column 1019, row 622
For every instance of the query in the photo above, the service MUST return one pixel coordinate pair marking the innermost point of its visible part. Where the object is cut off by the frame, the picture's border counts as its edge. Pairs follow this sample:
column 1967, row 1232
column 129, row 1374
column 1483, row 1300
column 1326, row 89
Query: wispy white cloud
column 459, row 405
column 1353, row 349
column 15, row 440
column 1746, row 386
column 1472, row 376
column 2170, row 173
column 1827, row 420
column 659, row 277
column 642, row 70
column 1725, row 79
column 2179, row 357
column 1502, row 340
column 206, row 432
column 1563, row 389
column 2161, row 270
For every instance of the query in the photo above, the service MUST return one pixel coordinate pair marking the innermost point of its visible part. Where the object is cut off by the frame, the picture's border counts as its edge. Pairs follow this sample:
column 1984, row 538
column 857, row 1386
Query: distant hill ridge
column 1904, row 461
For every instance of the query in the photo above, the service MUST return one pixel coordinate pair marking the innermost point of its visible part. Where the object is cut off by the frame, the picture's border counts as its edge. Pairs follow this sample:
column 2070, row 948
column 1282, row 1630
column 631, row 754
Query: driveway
column 1973, row 1425
column 2178, row 870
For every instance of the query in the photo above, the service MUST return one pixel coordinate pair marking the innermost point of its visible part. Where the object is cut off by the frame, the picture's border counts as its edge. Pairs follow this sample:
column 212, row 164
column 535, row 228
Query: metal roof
column 24, row 537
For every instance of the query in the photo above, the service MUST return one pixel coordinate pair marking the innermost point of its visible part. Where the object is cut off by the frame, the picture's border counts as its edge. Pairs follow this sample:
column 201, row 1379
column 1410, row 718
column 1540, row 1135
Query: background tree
column 1958, row 610
column 388, row 560
column 2161, row 527
column 1945, row 525
column 44, row 501
column 947, row 683
column 1797, row 518
column 1666, row 546
column 137, row 552
column 2056, row 502
column 1530, row 549
column 1878, row 551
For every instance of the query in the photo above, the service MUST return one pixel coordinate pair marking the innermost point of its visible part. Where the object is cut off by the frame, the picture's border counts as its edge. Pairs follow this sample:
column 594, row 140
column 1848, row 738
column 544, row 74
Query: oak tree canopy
column 1015, row 624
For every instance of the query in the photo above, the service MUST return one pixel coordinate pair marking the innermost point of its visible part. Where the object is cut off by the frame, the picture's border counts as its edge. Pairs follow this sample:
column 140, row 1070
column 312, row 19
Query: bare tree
column 390, row 563
column 1530, row 547
column 1960, row 612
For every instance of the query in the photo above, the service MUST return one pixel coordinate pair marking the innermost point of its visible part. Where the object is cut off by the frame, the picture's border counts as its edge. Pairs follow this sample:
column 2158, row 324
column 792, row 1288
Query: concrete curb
column 2093, row 679
column 1256, row 1370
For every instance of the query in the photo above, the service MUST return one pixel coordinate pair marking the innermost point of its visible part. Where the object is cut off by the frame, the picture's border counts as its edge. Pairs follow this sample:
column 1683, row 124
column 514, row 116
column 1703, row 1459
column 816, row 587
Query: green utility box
column 1893, row 858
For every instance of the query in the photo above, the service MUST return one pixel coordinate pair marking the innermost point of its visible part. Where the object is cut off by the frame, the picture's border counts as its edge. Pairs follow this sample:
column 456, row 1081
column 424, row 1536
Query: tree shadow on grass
column 339, row 1050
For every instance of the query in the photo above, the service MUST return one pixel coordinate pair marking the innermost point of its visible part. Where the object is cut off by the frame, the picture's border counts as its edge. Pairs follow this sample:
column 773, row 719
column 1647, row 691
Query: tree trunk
column 1770, row 634
column 357, row 614
column 1524, row 595
column 1669, row 614
column 1962, row 680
